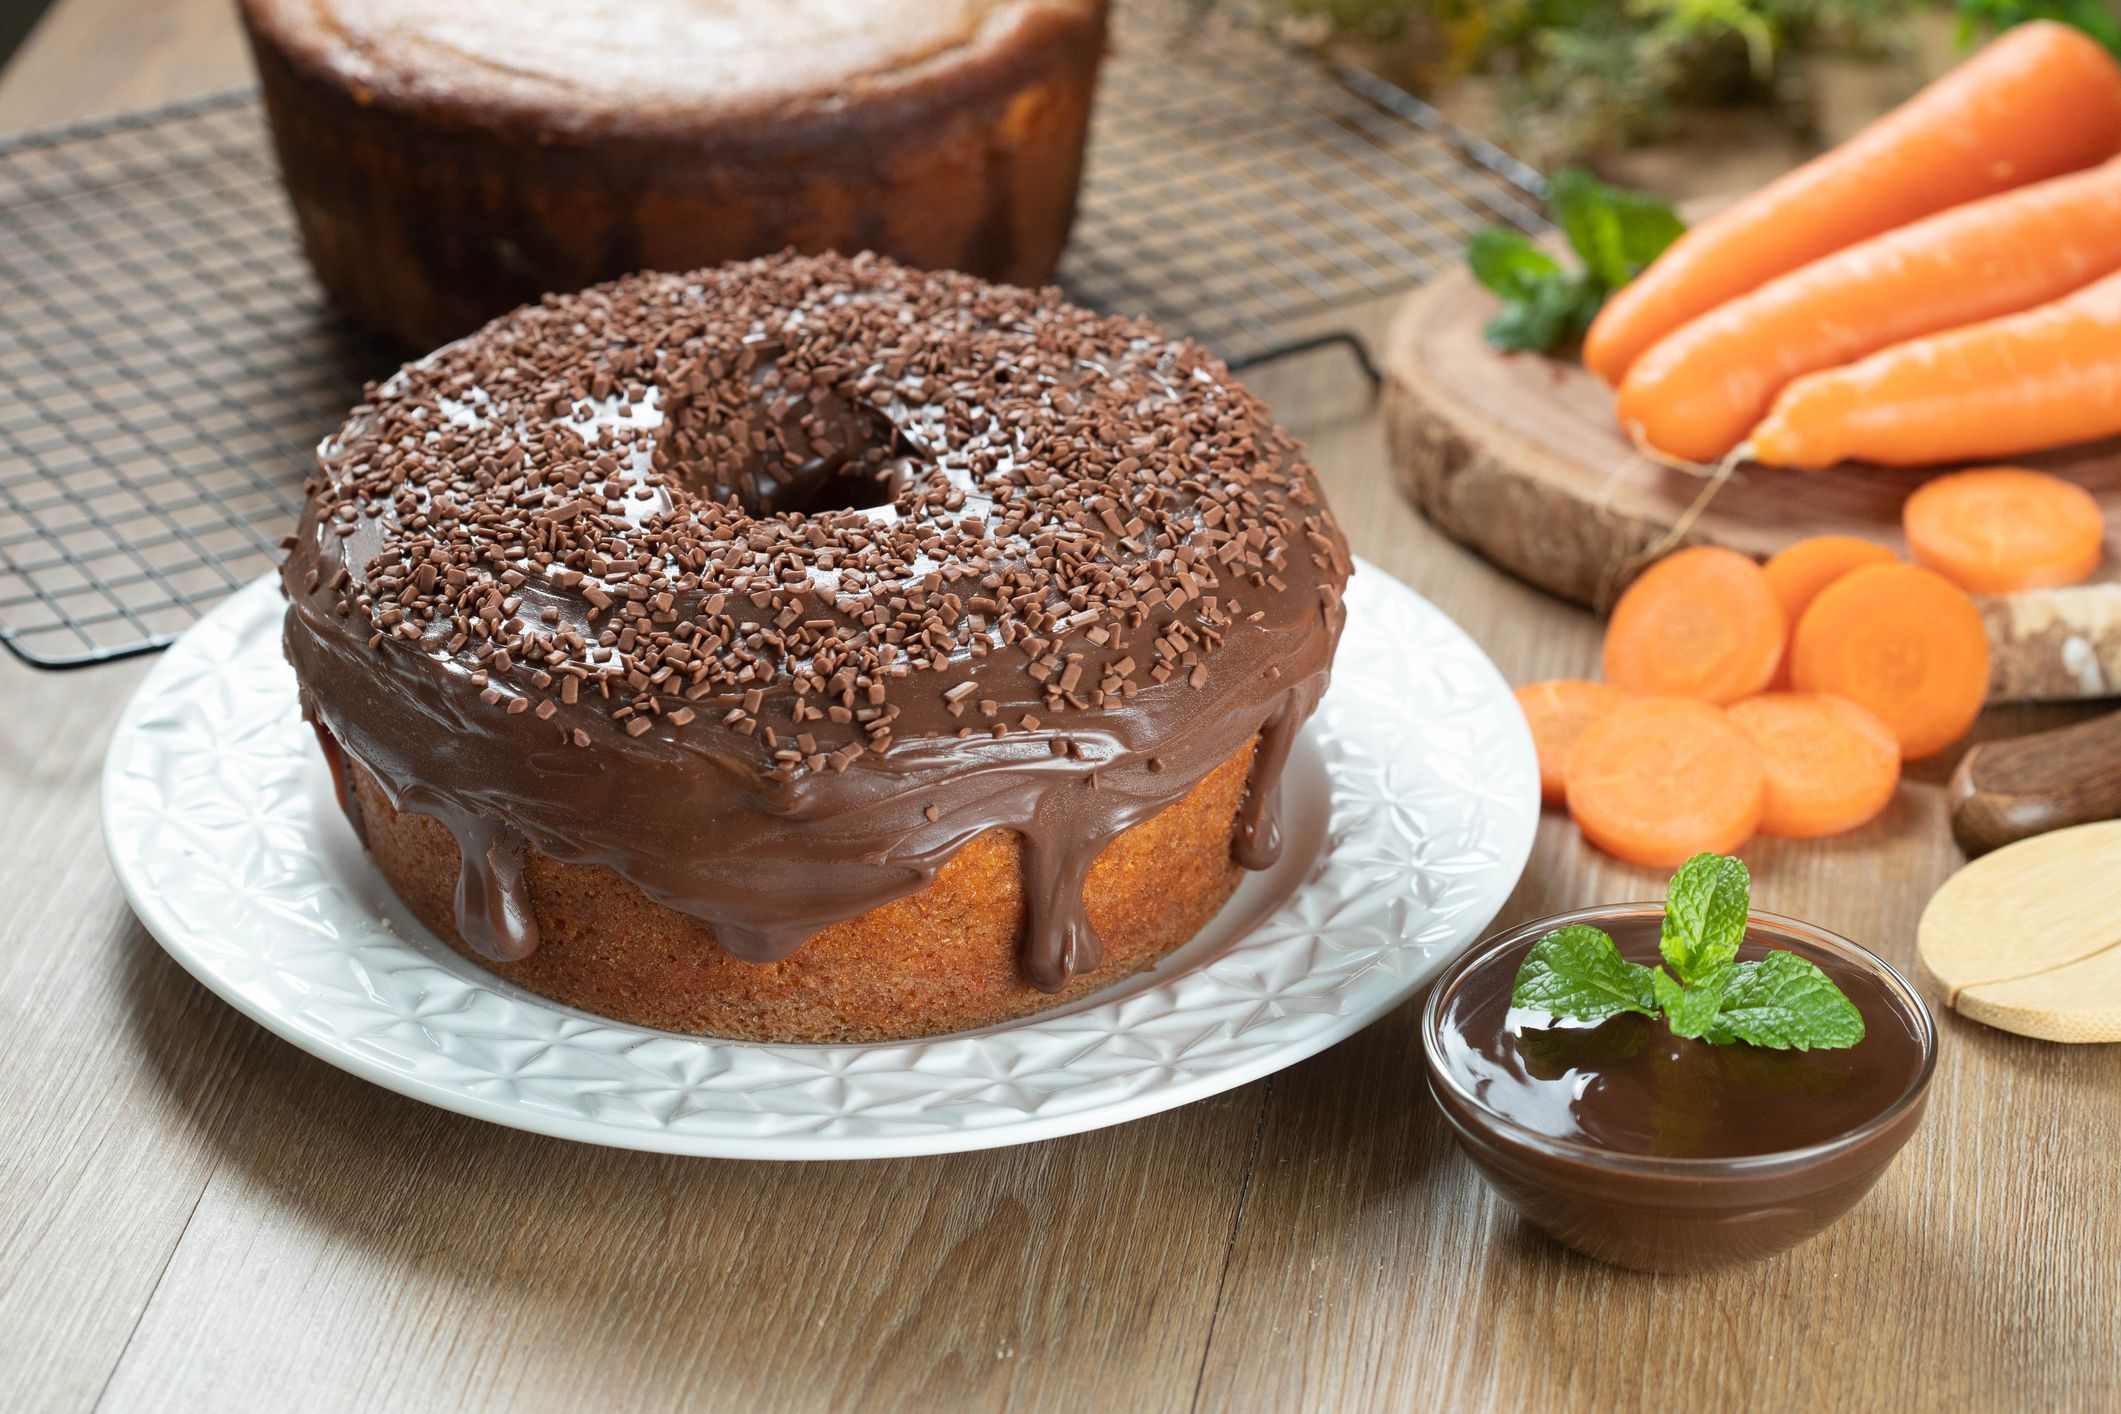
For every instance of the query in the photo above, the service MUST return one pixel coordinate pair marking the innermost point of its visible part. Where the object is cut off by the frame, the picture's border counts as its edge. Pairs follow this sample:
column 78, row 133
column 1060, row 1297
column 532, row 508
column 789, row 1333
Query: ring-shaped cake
column 813, row 649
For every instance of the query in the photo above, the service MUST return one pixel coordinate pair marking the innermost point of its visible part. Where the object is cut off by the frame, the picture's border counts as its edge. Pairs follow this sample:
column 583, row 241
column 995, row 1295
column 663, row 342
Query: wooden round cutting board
column 1518, row 457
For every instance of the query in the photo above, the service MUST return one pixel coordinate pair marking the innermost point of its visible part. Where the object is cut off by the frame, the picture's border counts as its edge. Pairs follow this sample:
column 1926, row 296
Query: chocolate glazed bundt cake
column 449, row 161
column 812, row 649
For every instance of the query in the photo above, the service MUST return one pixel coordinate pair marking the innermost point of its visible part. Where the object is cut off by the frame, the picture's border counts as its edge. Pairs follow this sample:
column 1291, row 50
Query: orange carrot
column 1659, row 780
column 1701, row 622
column 2004, row 528
column 1904, row 642
column 1558, row 711
column 1830, row 764
column 1798, row 571
column 2041, row 100
column 2044, row 378
column 1697, row 392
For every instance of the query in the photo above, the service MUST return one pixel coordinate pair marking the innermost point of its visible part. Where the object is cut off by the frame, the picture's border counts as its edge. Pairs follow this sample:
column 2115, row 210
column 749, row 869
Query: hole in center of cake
column 781, row 442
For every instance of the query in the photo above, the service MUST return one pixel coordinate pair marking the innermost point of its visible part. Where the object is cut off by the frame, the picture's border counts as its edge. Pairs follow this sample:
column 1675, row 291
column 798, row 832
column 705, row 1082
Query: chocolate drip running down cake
column 449, row 161
column 813, row 649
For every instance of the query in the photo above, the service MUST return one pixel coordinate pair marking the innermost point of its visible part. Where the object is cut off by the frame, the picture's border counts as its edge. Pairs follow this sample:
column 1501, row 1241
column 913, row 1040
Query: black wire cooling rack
column 167, row 365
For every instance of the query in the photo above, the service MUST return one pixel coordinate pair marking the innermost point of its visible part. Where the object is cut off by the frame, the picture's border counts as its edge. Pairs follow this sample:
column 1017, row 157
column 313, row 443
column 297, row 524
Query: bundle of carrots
column 1945, row 286
column 1783, row 697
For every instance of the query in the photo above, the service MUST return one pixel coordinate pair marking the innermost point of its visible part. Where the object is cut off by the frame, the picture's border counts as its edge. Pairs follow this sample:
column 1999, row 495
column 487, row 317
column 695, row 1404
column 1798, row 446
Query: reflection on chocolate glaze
column 492, row 900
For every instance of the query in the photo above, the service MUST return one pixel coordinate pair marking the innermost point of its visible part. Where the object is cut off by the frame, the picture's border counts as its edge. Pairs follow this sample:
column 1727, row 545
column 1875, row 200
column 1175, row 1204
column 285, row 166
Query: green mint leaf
column 1548, row 320
column 1615, row 232
column 1576, row 972
column 1787, row 1003
column 1546, row 307
column 1509, row 263
column 1690, row 1010
column 1704, row 915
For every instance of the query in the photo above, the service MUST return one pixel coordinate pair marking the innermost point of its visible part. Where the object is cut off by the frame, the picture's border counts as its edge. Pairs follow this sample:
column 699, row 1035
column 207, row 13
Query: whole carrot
column 1698, row 391
column 2045, row 377
column 2042, row 100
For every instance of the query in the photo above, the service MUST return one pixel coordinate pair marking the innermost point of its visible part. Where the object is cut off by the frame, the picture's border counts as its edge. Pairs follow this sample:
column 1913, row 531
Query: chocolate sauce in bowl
column 1648, row 1150
column 1630, row 1086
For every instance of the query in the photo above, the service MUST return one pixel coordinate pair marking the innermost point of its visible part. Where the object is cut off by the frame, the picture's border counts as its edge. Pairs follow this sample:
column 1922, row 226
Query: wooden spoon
column 2028, row 939
column 2008, row 790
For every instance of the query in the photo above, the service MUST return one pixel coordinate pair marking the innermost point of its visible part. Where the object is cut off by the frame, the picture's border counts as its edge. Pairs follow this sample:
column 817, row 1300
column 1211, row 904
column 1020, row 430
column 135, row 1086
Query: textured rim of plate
column 212, row 815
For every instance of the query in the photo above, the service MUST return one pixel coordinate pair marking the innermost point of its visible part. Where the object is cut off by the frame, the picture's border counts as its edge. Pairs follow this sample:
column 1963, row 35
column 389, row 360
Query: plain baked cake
column 449, row 161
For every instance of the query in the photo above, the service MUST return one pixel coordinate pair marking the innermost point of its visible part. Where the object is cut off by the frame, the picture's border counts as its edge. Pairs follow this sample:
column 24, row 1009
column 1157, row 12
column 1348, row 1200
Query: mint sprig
column 1781, row 1001
column 1690, row 1011
column 1545, row 305
column 1704, row 915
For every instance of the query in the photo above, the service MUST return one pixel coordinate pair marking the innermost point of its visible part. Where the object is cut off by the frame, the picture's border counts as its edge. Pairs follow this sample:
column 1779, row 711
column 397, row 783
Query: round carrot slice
column 1830, row 764
column 1659, row 780
column 1557, row 712
column 1797, row 572
column 1904, row 642
column 2003, row 528
column 1701, row 622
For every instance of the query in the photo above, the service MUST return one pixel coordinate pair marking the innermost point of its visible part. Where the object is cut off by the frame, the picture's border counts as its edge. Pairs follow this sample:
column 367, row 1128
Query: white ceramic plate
column 1409, row 811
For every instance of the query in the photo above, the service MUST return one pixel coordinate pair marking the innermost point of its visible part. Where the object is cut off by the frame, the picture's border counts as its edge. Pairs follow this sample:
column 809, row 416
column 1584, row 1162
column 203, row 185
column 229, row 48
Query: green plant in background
column 2095, row 17
column 1545, row 305
column 1580, row 77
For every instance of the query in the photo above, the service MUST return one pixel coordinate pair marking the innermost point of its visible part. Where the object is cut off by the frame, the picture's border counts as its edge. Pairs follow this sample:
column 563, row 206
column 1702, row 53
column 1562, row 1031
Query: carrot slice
column 1701, row 622
column 1798, row 571
column 1658, row 780
column 1698, row 391
column 1558, row 711
column 1904, row 642
column 2046, row 377
column 2004, row 528
column 1830, row 764
column 2041, row 100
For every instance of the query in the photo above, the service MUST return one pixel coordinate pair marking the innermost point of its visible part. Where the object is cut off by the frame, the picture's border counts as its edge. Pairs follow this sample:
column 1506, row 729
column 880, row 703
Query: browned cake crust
column 943, row 959
column 447, row 163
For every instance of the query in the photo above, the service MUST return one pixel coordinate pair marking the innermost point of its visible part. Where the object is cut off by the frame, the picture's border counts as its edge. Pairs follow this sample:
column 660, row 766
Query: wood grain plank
column 198, row 1214
column 358, row 1250
column 90, row 57
column 104, row 1153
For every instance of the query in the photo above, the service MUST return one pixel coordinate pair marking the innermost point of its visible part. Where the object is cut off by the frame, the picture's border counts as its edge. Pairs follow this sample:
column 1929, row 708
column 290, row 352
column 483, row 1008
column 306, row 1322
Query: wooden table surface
column 194, row 1214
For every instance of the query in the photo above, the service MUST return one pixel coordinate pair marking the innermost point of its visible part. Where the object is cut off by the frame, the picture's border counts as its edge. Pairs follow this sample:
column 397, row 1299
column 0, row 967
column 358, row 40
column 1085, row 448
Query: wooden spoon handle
column 2007, row 790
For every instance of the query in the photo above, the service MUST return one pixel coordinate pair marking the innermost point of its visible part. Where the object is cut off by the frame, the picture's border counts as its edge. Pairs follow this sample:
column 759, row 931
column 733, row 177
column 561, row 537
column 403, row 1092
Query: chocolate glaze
column 1258, row 841
column 700, row 816
column 342, row 784
column 492, row 902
